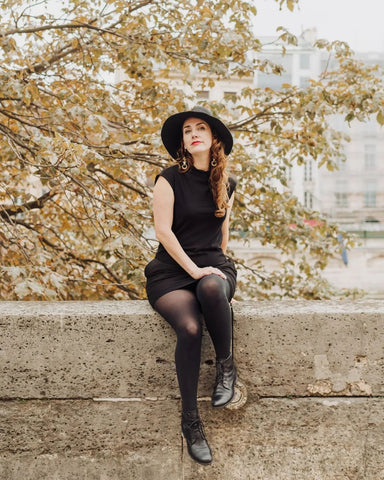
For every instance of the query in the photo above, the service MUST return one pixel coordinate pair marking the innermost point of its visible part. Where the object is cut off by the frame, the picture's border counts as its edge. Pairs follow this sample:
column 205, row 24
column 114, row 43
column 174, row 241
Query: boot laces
column 223, row 371
column 196, row 429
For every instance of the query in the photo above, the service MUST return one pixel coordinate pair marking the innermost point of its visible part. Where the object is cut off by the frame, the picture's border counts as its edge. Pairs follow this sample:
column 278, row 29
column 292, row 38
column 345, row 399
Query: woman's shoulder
column 169, row 173
column 171, row 168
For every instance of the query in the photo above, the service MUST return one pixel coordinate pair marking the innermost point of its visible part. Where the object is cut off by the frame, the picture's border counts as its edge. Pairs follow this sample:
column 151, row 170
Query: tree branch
column 24, row 122
column 7, row 212
column 82, row 261
column 16, row 138
column 121, row 182
column 47, row 27
column 263, row 113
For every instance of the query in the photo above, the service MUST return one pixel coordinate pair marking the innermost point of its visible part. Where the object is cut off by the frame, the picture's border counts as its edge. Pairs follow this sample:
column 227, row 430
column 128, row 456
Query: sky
column 358, row 22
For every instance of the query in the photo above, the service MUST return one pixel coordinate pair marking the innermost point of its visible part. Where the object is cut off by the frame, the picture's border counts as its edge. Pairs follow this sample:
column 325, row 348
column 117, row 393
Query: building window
column 370, row 156
column 370, row 199
column 308, row 200
column 341, row 194
column 341, row 199
column 308, row 171
column 230, row 99
column 305, row 61
column 202, row 94
column 230, row 96
column 370, row 194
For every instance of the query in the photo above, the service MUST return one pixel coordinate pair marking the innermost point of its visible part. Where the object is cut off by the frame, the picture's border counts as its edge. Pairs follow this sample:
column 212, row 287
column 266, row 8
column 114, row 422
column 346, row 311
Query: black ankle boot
column 224, row 389
column 192, row 428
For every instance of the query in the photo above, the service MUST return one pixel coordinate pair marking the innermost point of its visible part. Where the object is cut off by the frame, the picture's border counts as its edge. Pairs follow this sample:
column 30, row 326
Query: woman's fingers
column 212, row 271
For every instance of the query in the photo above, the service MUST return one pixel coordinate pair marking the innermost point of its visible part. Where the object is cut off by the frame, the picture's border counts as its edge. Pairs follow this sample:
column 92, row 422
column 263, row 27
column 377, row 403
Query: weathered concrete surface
column 312, row 348
column 86, row 350
column 73, row 440
column 124, row 349
column 59, row 360
column 269, row 439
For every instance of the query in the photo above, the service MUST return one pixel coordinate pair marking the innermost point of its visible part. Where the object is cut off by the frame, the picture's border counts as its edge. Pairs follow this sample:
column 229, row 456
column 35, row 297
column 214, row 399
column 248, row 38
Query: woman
column 190, row 276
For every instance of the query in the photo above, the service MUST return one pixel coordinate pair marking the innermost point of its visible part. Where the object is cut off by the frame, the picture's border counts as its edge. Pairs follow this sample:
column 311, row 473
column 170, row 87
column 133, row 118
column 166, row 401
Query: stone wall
column 88, row 391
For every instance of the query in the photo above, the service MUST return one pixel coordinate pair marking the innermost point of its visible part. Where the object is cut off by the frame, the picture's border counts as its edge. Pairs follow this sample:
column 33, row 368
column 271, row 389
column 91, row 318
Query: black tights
column 182, row 309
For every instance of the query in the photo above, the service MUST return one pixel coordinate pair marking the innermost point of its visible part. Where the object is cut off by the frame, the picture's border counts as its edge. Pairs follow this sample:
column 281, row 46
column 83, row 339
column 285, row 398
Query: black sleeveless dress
column 198, row 231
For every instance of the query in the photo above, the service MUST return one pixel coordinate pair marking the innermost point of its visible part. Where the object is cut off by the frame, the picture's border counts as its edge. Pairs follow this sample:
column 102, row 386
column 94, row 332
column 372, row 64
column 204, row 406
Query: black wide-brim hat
column 171, row 132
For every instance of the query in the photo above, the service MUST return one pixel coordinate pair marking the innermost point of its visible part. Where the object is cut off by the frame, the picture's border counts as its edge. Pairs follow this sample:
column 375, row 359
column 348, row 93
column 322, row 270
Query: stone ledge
column 59, row 357
column 269, row 439
column 124, row 349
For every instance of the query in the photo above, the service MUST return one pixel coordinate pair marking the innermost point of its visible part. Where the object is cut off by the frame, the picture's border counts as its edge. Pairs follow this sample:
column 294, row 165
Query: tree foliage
column 79, row 149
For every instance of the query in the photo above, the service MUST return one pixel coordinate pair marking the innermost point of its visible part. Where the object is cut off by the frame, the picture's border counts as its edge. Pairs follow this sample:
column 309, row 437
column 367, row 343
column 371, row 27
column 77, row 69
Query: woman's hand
column 204, row 271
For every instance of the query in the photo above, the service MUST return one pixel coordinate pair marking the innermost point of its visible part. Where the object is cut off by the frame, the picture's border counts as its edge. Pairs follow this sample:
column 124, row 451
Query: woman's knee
column 190, row 329
column 211, row 287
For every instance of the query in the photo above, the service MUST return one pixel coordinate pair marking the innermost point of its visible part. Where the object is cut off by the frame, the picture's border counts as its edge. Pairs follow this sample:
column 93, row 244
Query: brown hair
column 218, row 177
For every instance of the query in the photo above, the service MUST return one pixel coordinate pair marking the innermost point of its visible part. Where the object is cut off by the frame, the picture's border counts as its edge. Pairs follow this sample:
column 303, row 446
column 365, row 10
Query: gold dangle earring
column 213, row 163
column 184, row 163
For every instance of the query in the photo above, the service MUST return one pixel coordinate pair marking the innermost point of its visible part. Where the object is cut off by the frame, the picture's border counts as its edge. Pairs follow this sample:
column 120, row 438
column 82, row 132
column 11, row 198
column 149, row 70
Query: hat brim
column 171, row 132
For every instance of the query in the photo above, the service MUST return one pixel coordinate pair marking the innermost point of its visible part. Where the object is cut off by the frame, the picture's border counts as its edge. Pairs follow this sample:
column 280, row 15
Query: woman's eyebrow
column 189, row 126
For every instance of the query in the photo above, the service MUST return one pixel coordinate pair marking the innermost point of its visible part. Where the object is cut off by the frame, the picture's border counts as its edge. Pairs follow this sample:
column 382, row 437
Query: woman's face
column 197, row 136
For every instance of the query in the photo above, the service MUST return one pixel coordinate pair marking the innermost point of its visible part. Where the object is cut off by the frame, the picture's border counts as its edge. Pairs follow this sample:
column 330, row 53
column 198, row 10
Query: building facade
column 352, row 195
